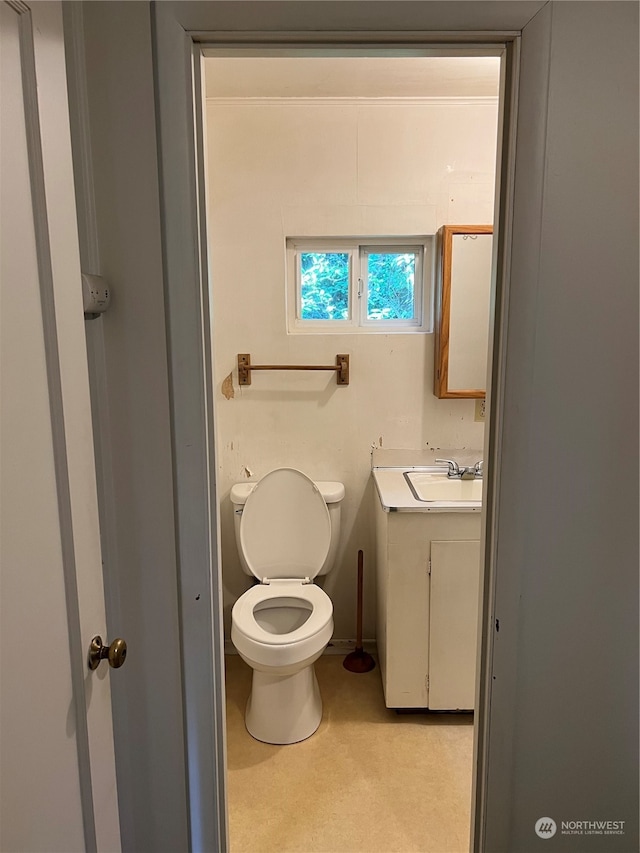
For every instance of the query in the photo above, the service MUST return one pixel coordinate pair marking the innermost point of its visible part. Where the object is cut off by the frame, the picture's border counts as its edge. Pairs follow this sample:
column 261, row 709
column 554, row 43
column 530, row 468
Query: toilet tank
column 331, row 491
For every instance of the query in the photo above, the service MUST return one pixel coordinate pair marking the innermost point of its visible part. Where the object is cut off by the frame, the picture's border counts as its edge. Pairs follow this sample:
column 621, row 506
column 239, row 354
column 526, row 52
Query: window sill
column 360, row 330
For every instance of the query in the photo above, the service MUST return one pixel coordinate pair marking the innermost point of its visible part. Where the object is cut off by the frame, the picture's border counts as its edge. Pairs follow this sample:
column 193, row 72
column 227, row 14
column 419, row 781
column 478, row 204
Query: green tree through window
column 325, row 285
column 390, row 284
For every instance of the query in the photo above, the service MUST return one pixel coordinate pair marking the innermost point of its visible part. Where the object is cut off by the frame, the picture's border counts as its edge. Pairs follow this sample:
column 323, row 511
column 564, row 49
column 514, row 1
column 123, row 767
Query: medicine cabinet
column 462, row 310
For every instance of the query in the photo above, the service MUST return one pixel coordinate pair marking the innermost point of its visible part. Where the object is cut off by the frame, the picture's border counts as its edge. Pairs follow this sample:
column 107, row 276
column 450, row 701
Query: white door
column 453, row 624
column 57, row 760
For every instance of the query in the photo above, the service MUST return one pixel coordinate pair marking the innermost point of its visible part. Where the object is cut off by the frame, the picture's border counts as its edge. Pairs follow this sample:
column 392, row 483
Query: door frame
column 180, row 33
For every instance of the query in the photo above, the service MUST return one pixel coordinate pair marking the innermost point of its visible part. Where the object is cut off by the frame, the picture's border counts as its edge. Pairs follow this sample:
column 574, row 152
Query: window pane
column 390, row 285
column 324, row 285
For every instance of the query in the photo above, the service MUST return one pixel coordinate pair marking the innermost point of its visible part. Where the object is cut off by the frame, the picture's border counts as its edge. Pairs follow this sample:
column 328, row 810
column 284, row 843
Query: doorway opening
column 318, row 161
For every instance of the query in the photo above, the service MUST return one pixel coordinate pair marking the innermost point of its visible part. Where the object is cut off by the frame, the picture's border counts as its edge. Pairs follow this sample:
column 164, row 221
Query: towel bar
column 245, row 367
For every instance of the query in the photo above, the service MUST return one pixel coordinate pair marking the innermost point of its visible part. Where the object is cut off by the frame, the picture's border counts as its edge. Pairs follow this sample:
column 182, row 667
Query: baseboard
column 335, row 647
column 343, row 647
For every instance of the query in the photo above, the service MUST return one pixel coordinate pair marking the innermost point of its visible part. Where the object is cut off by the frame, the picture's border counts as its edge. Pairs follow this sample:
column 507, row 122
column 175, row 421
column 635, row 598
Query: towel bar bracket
column 245, row 367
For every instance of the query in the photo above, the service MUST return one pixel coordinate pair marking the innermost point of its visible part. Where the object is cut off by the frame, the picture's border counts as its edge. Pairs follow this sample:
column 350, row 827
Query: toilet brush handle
column 359, row 601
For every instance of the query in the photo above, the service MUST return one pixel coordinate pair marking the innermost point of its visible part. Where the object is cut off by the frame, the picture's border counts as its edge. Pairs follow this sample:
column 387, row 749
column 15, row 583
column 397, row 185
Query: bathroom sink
column 438, row 487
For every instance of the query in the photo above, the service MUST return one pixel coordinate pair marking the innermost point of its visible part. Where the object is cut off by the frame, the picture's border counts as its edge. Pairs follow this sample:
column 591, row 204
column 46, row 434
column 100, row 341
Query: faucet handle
column 453, row 466
column 479, row 468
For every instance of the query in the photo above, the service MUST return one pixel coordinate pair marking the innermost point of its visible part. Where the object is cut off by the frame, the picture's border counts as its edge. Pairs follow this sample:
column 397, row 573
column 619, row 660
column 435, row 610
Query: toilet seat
column 245, row 621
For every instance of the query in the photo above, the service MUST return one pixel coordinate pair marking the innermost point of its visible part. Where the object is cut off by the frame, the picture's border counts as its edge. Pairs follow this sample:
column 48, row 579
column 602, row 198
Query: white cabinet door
column 58, row 770
column 453, row 624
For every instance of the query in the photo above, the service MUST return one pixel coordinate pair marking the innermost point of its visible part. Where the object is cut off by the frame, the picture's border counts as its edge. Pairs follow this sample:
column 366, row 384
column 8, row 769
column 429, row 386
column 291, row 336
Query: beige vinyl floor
column 368, row 780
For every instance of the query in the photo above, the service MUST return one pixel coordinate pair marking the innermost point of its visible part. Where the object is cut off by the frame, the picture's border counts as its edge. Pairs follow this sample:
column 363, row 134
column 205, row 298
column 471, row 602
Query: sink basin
column 438, row 487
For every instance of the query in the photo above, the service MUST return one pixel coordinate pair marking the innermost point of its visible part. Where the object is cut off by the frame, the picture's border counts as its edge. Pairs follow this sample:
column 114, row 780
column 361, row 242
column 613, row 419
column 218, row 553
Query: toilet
column 287, row 530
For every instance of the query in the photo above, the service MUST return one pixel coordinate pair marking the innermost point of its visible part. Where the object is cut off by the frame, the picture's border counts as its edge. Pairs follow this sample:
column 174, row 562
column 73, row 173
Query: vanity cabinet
column 428, row 595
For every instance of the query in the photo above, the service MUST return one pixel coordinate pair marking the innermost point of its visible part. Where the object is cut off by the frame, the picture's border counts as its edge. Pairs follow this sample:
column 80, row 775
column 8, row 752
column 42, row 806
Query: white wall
column 279, row 169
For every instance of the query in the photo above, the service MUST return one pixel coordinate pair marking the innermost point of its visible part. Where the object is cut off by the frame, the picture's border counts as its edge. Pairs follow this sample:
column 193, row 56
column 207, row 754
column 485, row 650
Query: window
column 374, row 285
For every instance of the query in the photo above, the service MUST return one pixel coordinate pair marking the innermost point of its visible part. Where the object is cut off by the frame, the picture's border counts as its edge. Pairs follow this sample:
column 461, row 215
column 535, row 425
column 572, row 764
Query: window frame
column 358, row 249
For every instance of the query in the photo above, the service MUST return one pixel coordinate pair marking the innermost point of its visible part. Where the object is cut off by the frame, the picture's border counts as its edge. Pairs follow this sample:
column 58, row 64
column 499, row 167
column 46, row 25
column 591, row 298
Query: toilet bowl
column 286, row 530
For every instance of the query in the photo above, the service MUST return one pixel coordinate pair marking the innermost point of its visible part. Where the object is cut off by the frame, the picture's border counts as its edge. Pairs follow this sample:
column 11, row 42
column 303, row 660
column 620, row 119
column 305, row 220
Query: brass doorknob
column 115, row 653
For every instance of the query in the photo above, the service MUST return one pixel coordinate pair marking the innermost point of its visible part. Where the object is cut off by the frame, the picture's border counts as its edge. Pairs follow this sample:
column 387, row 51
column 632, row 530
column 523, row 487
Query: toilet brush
column 359, row 660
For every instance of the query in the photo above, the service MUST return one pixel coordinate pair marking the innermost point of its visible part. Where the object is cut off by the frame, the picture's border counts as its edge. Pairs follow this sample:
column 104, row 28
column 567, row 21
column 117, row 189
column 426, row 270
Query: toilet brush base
column 284, row 708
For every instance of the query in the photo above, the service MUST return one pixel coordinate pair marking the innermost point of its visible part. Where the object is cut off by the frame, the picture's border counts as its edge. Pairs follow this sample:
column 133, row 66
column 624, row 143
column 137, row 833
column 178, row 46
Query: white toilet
column 287, row 531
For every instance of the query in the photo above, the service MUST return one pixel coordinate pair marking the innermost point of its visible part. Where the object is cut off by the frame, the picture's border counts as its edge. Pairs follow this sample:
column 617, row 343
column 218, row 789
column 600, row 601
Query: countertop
column 396, row 496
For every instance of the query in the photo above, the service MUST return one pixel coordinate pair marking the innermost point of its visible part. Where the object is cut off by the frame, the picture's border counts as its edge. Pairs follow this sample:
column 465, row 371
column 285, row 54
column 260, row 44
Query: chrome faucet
column 454, row 470
column 467, row 472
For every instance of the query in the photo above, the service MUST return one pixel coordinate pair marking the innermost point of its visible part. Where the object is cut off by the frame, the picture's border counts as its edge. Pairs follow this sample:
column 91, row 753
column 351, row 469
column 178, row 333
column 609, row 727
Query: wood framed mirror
column 462, row 310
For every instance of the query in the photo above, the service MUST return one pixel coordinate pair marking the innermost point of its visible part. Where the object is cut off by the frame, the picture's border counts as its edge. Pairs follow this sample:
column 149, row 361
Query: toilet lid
column 285, row 531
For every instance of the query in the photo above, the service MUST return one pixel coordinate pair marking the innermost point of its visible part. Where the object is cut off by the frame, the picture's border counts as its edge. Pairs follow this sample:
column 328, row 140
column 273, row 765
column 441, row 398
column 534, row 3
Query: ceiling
column 352, row 77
